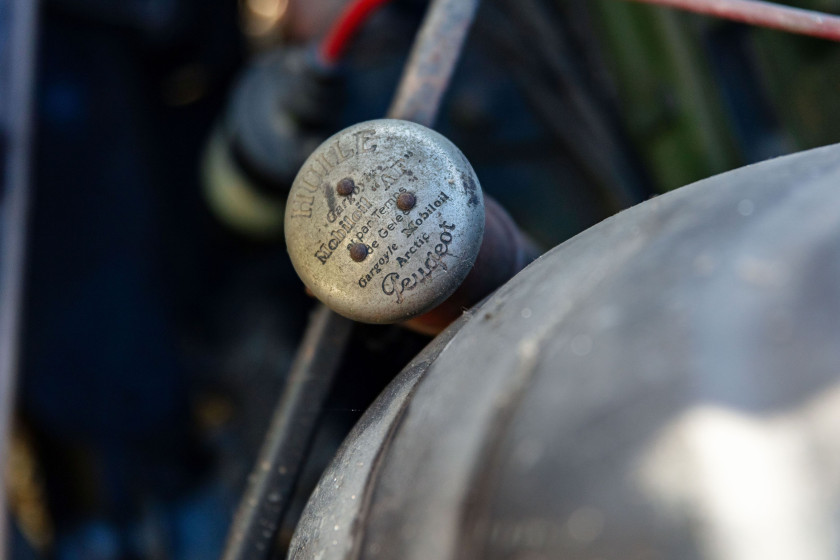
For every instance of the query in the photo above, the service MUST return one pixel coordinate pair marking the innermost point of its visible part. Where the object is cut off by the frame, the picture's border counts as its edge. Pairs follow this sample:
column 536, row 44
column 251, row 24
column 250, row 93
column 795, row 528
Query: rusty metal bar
column 504, row 250
column 433, row 58
column 762, row 14
column 432, row 61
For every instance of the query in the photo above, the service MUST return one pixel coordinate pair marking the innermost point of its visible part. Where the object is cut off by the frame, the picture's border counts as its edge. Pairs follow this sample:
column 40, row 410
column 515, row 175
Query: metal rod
column 425, row 79
column 763, row 14
column 286, row 445
column 17, row 75
column 432, row 61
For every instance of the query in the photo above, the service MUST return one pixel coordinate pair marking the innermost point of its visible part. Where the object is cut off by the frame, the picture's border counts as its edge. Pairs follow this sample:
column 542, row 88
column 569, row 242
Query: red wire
column 355, row 14
column 760, row 13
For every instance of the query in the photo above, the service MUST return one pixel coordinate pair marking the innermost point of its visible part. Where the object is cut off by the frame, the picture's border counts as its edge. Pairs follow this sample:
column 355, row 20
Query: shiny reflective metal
column 416, row 258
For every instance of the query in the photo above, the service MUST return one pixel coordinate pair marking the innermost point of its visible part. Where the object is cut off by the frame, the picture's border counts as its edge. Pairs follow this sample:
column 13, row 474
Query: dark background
column 156, row 337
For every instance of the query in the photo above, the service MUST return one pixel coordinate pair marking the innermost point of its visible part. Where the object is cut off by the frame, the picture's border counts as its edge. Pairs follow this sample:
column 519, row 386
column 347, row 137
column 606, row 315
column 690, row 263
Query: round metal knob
column 384, row 221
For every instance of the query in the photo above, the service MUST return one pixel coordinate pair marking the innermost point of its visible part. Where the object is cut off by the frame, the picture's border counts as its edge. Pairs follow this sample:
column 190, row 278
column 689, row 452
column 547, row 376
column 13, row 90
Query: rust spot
column 345, row 187
column 358, row 252
column 406, row 201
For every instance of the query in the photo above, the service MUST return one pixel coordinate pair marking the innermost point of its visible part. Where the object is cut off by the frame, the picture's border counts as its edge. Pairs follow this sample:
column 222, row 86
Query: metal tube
column 257, row 521
column 286, row 445
column 504, row 252
column 432, row 61
column 436, row 51
column 763, row 14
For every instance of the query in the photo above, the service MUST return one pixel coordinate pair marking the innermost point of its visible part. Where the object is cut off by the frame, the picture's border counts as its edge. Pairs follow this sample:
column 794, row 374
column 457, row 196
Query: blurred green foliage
column 673, row 105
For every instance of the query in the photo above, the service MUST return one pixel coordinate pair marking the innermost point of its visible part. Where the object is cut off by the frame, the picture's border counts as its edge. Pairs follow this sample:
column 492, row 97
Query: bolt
column 346, row 186
column 406, row 201
column 358, row 252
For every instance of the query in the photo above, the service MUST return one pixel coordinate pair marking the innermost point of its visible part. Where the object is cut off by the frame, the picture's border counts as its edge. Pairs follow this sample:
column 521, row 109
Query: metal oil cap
column 384, row 221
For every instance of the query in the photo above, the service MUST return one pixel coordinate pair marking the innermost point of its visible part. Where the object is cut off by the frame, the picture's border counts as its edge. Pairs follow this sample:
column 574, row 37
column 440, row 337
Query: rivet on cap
column 358, row 252
column 356, row 245
column 346, row 186
column 406, row 201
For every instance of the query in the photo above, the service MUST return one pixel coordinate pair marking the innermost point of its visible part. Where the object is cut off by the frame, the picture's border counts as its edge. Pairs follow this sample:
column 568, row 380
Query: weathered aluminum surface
column 416, row 258
column 332, row 521
column 663, row 385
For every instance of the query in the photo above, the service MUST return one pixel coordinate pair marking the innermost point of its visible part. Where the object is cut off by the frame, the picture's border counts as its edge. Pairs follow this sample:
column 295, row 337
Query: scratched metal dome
column 664, row 385
column 361, row 253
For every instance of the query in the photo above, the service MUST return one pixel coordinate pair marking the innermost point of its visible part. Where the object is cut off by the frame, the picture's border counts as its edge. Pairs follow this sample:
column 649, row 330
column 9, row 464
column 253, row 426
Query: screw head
column 346, row 186
column 406, row 201
column 363, row 255
column 358, row 252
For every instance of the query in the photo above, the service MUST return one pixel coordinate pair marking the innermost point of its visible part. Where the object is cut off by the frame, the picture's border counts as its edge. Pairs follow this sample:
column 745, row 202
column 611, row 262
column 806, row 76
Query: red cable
column 753, row 12
column 355, row 14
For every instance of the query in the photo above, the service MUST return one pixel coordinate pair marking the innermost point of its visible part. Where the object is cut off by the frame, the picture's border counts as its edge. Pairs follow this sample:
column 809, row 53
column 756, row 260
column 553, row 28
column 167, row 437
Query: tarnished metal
column 432, row 163
column 345, row 187
column 359, row 252
column 406, row 201
column 648, row 386
column 504, row 252
column 417, row 258
column 432, row 61
column 763, row 14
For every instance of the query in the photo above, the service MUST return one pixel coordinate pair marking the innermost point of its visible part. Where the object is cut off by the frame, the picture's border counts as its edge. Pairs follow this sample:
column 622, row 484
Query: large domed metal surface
column 384, row 221
column 664, row 385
